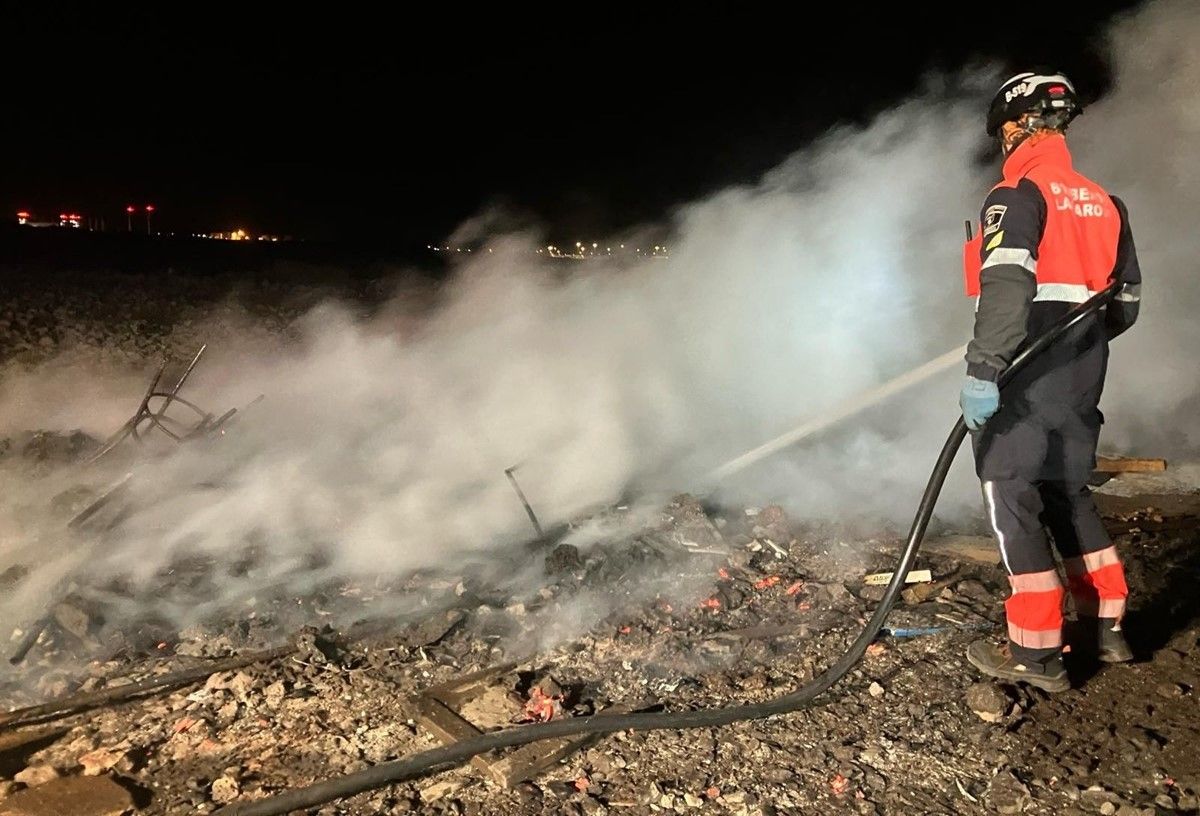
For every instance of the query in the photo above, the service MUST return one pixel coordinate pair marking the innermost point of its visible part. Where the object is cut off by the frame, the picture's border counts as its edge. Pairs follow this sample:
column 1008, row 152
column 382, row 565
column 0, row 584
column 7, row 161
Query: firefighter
column 1049, row 238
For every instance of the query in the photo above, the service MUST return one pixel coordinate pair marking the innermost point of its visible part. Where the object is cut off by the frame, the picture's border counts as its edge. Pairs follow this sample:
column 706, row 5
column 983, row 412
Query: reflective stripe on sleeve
column 1063, row 292
column 1008, row 255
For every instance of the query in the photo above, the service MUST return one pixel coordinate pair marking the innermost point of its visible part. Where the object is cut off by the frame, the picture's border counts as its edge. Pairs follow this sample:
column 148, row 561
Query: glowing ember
column 769, row 581
column 581, row 784
column 723, row 573
column 839, row 784
column 876, row 649
column 712, row 792
column 542, row 707
column 711, row 603
column 804, row 606
column 794, row 588
column 625, row 630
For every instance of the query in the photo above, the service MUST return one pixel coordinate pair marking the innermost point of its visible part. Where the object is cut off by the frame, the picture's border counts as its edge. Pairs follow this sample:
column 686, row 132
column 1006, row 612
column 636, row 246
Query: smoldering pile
column 632, row 606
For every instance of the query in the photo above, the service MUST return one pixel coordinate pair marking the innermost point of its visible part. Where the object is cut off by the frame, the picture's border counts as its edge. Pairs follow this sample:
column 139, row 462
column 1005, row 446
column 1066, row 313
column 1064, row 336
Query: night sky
column 338, row 123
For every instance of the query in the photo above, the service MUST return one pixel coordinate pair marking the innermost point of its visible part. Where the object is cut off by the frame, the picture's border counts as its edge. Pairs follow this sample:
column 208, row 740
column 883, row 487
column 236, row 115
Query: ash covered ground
column 674, row 604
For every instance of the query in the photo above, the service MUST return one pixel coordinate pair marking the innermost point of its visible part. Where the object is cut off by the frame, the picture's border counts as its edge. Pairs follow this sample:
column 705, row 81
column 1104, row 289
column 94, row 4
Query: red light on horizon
column 130, row 209
column 22, row 214
column 149, row 208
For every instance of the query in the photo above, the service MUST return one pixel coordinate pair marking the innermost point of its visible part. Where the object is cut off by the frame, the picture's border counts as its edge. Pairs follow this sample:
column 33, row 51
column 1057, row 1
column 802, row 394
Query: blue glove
column 979, row 400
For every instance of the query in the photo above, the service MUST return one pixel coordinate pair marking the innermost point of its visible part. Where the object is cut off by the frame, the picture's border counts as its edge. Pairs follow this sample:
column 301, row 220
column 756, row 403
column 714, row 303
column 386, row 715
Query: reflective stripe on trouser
column 1095, row 575
column 1034, row 610
column 1097, row 582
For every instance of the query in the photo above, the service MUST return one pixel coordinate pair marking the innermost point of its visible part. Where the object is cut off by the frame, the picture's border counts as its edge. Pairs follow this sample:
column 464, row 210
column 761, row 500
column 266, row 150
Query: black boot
column 1098, row 639
column 1048, row 674
column 1113, row 648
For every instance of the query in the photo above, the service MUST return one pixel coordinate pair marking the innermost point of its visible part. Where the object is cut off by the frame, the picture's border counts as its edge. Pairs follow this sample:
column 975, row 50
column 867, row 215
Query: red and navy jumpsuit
column 1050, row 238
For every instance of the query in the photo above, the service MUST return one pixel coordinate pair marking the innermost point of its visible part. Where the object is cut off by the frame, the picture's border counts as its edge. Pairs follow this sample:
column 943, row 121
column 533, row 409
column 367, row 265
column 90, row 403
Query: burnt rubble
column 704, row 607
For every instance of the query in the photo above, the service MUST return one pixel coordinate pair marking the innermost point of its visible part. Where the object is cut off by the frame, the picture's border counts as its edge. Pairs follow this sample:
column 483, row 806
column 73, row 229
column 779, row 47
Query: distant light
column 22, row 214
column 149, row 208
column 130, row 209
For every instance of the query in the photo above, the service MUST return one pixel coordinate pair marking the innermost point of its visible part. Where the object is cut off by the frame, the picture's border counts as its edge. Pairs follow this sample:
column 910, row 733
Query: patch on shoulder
column 992, row 218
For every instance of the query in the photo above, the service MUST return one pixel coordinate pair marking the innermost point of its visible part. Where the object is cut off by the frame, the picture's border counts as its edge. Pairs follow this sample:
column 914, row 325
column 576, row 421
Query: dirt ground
column 913, row 730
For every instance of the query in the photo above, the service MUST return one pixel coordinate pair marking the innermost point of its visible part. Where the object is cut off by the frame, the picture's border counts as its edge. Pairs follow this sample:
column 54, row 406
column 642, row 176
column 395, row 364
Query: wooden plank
column 980, row 549
column 1125, row 464
column 17, row 746
column 16, row 739
column 460, row 689
column 913, row 577
column 530, row 760
column 756, row 632
column 450, row 727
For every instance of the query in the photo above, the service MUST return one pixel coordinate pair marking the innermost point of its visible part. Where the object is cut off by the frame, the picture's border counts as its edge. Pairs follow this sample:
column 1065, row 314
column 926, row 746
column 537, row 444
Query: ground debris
column 733, row 621
column 71, row 796
column 1008, row 795
column 988, row 701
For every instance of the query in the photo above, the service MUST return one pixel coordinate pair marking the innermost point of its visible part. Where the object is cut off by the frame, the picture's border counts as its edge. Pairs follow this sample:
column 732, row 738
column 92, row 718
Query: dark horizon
column 354, row 130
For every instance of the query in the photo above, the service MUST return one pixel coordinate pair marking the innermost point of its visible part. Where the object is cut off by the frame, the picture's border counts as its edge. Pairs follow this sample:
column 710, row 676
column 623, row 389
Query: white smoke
column 1143, row 143
column 383, row 444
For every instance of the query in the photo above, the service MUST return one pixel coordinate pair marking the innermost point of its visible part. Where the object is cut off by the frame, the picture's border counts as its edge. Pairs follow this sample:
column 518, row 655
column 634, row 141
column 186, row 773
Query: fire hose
column 444, row 758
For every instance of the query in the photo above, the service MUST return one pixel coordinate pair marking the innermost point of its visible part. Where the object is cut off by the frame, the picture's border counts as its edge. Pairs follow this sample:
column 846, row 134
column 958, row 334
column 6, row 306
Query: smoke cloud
column 380, row 446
